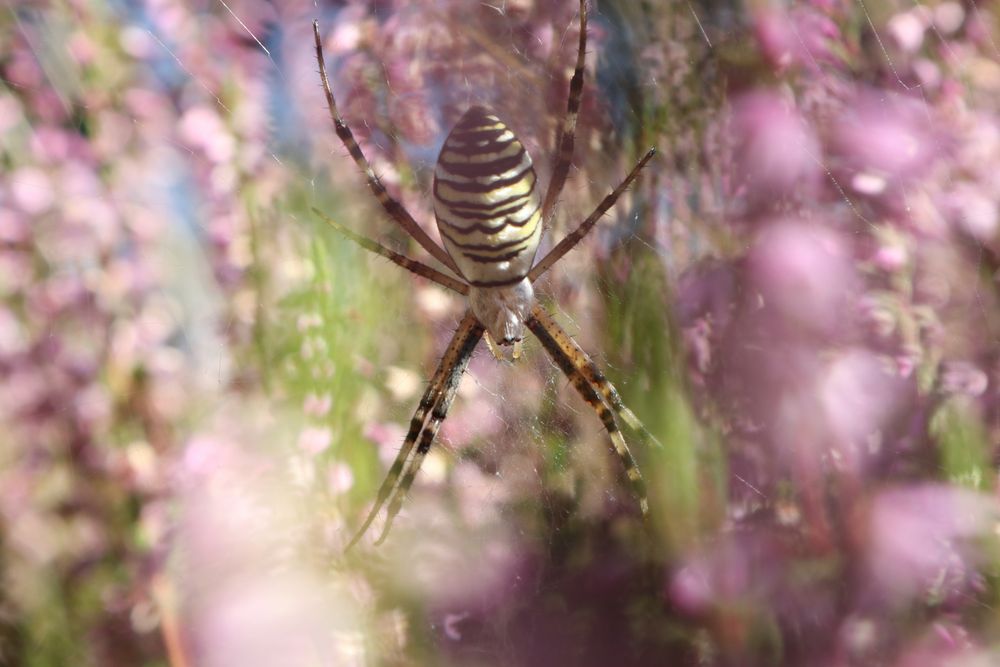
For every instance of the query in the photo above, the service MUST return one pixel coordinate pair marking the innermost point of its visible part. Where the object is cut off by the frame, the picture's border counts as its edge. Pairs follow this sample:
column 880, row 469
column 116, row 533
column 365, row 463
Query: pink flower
column 203, row 128
column 886, row 136
column 314, row 440
column 800, row 37
column 922, row 536
column 31, row 189
column 805, row 276
column 857, row 396
column 777, row 155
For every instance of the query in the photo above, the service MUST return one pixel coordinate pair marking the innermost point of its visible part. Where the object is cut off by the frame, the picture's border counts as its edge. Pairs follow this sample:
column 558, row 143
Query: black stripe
column 492, row 215
column 486, row 247
column 483, row 188
column 486, row 229
column 478, row 169
column 576, row 85
column 484, row 259
column 477, row 148
column 497, row 283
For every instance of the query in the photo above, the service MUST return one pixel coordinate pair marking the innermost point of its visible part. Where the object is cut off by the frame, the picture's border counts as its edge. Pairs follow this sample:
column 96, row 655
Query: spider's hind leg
column 553, row 338
column 424, row 425
column 449, row 388
column 586, row 366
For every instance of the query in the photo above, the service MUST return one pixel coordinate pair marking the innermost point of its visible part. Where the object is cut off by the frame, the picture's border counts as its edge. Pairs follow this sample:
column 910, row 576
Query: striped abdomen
column 486, row 201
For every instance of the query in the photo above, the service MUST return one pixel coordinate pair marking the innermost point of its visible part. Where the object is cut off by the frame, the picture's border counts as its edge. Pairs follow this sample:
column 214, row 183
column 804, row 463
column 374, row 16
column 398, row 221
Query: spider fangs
column 490, row 214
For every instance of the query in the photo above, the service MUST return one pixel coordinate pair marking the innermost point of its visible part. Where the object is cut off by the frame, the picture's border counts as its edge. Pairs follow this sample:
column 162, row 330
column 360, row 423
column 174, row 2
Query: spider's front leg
column 392, row 207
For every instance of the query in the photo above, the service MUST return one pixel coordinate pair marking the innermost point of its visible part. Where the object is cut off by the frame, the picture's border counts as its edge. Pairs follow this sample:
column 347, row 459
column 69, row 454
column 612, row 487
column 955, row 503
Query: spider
column 490, row 215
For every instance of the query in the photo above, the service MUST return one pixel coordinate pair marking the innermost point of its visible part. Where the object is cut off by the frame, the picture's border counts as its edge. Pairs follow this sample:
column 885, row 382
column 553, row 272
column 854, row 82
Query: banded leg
column 566, row 136
column 586, row 366
column 452, row 379
column 391, row 206
column 594, row 400
column 577, row 235
column 411, row 265
column 468, row 330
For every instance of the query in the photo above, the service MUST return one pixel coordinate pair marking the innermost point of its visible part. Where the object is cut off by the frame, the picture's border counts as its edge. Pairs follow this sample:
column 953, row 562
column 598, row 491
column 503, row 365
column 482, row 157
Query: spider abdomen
column 486, row 201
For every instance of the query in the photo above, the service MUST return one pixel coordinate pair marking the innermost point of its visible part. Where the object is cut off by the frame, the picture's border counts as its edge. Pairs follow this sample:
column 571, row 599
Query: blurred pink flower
column 203, row 457
column 386, row 436
column 973, row 211
column 203, row 128
column 14, row 228
column 776, row 37
column 777, row 155
column 858, row 396
column 340, row 478
column 50, row 144
column 31, row 189
column 949, row 17
column 907, row 30
column 922, row 537
column 314, row 440
column 348, row 31
column 881, row 135
column 271, row 619
column 800, row 36
column 741, row 569
column 944, row 644
column 240, row 606
column 805, row 275
column 317, row 405
column 891, row 257
column 962, row 377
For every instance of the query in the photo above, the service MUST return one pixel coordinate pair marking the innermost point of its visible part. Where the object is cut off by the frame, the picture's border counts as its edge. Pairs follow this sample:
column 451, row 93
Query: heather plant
column 201, row 384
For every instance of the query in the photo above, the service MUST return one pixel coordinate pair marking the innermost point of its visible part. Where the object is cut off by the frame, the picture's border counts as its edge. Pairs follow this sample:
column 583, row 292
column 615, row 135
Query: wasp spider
column 490, row 213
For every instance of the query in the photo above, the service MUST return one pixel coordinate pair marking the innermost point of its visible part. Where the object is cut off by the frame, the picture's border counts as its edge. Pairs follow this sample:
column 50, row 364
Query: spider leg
column 412, row 265
column 577, row 234
column 568, row 365
column 566, row 137
column 430, row 397
column 467, row 335
column 451, row 376
column 585, row 365
column 391, row 206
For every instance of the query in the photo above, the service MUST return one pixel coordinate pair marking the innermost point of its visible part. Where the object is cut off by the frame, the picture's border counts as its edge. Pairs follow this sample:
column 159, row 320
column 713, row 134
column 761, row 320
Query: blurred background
column 202, row 385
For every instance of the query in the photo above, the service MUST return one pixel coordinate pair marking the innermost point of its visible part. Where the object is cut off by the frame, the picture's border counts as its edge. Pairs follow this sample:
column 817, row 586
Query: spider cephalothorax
column 489, row 212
